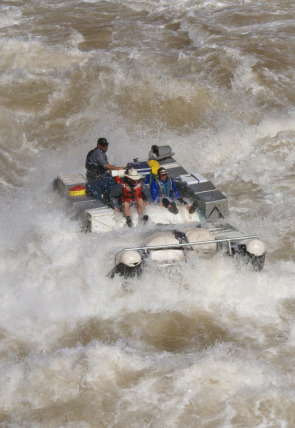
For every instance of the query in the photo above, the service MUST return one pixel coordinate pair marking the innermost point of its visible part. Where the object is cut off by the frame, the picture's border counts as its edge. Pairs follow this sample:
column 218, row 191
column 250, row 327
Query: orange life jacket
column 131, row 193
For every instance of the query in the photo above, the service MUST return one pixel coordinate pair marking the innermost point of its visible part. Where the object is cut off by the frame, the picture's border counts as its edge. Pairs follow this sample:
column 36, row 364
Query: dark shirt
column 97, row 160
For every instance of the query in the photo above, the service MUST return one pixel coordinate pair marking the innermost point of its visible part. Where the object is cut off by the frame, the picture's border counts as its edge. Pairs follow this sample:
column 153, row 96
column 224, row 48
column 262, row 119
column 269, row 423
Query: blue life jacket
column 165, row 188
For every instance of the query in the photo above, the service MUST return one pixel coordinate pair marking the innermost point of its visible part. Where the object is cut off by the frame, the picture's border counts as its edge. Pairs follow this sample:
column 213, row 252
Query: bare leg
column 140, row 206
column 126, row 209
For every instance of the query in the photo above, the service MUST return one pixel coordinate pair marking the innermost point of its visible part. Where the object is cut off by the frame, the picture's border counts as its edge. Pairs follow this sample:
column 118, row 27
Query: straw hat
column 133, row 174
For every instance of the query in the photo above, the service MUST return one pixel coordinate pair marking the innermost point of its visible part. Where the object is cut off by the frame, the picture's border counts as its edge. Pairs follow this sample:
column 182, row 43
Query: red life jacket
column 131, row 193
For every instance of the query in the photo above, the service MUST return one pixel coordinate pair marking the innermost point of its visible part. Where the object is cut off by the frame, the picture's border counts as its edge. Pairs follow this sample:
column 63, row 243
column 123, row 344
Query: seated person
column 97, row 161
column 128, row 192
column 164, row 191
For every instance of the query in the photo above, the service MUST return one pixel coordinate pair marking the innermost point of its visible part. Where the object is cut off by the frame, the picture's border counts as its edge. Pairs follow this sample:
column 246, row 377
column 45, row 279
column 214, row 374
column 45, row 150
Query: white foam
column 10, row 15
column 203, row 340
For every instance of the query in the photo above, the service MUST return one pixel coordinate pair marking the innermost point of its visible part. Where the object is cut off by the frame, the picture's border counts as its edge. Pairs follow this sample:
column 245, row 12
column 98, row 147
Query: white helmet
column 131, row 258
column 255, row 247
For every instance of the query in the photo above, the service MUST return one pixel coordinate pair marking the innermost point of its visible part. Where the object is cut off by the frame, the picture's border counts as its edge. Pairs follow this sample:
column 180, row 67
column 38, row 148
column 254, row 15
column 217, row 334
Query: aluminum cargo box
column 212, row 204
column 173, row 167
column 85, row 203
column 64, row 182
column 100, row 220
column 189, row 186
column 202, row 187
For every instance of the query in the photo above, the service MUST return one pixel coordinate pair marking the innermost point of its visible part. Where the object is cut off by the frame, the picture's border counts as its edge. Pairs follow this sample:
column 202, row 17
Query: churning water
column 210, row 343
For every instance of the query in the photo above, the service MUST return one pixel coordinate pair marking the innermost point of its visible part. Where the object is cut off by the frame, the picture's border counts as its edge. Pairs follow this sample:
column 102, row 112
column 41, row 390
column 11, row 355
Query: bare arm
column 113, row 167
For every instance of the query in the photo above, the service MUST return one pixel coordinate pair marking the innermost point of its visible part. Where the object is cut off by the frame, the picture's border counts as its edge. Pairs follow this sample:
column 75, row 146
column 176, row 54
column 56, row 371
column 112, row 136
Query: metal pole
column 187, row 244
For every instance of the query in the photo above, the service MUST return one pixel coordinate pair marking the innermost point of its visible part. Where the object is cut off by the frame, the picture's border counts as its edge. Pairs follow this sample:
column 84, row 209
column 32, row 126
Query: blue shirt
column 164, row 189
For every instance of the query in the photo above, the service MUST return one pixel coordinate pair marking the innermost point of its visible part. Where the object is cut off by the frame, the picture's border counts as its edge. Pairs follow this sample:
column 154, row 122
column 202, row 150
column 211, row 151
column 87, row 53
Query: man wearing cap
column 127, row 193
column 164, row 190
column 97, row 161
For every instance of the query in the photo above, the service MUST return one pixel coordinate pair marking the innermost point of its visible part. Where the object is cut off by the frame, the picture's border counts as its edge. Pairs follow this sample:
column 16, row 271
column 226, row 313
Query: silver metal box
column 212, row 204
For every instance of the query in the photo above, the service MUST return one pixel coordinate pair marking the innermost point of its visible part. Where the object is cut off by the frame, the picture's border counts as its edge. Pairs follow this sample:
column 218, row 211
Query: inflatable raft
column 170, row 237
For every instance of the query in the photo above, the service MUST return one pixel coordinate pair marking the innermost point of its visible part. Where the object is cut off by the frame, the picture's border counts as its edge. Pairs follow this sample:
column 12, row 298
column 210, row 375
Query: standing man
column 164, row 191
column 97, row 161
column 127, row 193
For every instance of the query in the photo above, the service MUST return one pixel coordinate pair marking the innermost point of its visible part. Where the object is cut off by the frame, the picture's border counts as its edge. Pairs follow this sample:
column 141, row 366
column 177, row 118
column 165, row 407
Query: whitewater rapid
column 206, row 344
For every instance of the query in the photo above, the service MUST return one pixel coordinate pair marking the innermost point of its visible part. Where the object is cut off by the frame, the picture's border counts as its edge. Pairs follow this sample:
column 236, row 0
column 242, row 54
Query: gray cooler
column 212, row 204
